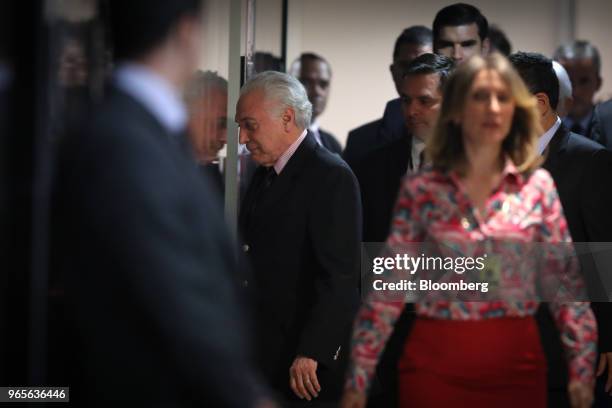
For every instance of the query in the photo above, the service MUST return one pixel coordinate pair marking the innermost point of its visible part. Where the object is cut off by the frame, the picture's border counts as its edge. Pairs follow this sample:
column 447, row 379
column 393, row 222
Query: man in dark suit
column 300, row 221
column 139, row 239
column 582, row 61
column 411, row 43
column 581, row 169
column 602, row 124
column 379, row 175
column 380, row 172
column 314, row 72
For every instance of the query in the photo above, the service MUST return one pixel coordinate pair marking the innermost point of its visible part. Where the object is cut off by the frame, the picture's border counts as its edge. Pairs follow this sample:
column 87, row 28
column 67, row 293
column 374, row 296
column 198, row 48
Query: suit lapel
column 292, row 170
column 399, row 161
column 401, row 158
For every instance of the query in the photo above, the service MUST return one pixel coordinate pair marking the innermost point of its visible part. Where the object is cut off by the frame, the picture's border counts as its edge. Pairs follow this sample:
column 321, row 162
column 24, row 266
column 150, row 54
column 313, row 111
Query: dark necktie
column 577, row 128
column 268, row 179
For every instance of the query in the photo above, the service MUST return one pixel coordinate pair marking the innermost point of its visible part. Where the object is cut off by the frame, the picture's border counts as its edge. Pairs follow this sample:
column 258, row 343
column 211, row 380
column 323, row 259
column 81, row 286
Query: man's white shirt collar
column 314, row 126
column 547, row 136
column 314, row 129
column 286, row 156
column 153, row 91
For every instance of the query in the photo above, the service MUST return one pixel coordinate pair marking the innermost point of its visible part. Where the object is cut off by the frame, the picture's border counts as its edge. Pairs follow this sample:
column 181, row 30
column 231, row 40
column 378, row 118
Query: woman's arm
column 378, row 313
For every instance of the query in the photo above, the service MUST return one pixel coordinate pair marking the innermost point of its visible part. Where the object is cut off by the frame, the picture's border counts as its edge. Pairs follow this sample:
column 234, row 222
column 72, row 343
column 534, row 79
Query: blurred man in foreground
column 146, row 256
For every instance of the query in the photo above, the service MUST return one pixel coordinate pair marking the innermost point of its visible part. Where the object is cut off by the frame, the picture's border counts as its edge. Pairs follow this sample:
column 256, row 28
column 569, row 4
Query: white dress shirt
column 286, row 156
column 158, row 95
column 547, row 136
column 417, row 148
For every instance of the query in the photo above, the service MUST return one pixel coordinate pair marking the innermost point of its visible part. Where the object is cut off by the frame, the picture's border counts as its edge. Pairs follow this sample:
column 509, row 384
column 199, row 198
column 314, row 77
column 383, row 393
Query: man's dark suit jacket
column 147, row 262
column 581, row 170
column 379, row 174
column 302, row 238
column 372, row 135
column 602, row 124
column 330, row 142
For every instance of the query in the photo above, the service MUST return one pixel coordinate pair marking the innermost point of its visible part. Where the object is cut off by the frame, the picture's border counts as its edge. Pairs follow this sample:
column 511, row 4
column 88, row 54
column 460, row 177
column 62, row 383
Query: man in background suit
column 602, row 124
column 380, row 174
column 460, row 31
column 300, row 221
column 583, row 64
column 411, row 43
column 139, row 238
column 581, row 169
column 314, row 72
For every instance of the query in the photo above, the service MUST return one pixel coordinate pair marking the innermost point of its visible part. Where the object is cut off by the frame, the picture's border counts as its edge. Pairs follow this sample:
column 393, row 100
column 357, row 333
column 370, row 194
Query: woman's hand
column 581, row 394
column 353, row 399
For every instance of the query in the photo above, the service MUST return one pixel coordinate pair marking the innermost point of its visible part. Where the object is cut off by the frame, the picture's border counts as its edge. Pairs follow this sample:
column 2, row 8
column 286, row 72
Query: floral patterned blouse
column 433, row 205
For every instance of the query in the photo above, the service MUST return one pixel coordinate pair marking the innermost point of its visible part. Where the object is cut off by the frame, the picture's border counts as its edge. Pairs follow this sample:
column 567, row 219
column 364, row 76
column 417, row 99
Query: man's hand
column 303, row 378
column 606, row 360
column 353, row 399
column 581, row 394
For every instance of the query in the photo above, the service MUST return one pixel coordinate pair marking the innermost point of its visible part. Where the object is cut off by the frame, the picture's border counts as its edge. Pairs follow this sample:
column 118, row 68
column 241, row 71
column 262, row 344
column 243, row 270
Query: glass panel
column 268, row 36
column 206, row 95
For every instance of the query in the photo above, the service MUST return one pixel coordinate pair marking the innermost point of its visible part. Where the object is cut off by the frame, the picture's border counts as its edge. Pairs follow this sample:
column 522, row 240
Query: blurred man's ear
column 543, row 103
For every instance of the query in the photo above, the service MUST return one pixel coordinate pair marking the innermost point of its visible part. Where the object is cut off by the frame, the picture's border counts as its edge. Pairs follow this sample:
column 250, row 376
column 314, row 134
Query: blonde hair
column 445, row 148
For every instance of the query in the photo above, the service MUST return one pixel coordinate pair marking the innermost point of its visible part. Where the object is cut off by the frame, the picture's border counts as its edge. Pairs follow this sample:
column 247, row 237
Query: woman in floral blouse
column 483, row 184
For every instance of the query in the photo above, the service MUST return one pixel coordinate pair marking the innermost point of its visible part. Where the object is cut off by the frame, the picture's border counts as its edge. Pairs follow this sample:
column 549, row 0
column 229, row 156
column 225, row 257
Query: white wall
column 357, row 37
column 268, row 26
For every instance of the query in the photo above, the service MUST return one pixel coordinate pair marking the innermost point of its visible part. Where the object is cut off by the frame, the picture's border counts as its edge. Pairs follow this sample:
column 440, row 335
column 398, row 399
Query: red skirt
column 487, row 363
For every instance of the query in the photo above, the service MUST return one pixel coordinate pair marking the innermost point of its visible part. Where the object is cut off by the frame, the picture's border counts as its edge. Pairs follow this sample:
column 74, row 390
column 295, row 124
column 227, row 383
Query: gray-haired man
column 300, row 221
column 583, row 64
